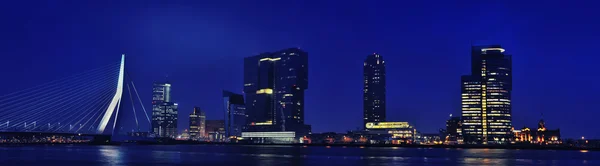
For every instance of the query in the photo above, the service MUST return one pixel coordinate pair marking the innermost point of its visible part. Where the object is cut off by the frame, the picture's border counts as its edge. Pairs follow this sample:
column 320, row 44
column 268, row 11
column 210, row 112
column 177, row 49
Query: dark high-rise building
column 235, row 113
column 486, row 97
column 274, row 85
column 215, row 126
column 454, row 130
column 215, row 130
column 197, row 124
column 164, row 112
column 374, row 89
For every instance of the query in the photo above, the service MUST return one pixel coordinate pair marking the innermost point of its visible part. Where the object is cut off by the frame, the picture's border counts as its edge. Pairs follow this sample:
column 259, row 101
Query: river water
column 238, row 155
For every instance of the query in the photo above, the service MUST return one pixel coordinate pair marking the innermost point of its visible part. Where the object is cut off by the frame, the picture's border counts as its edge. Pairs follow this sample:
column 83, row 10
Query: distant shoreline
column 512, row 146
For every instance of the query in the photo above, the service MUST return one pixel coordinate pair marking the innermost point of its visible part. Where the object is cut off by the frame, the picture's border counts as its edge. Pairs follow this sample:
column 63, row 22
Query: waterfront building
column 542, row 135
column 486, row 97
column 274, row 85
column 185, row 135
column 164, row 111
column 401, row 132
column 197, row 124
column 453, row 131
column 280, row 137
column 235, row 114
column 430, row 139
column 374, row 97
column 215, row 130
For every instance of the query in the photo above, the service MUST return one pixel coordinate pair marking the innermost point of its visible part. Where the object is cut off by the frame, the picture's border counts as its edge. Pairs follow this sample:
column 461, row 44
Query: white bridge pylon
column 116, row 101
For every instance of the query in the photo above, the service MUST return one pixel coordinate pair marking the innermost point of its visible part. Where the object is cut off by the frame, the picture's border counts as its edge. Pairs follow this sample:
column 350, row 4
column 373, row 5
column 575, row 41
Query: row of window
column 505, row 100
column 491, row 103
column 499, row 124
column 498, row 114
column 471, row 94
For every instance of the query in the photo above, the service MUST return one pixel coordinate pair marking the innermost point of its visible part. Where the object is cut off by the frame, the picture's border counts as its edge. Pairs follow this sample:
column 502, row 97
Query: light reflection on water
column 111, row 155
column 287, row 155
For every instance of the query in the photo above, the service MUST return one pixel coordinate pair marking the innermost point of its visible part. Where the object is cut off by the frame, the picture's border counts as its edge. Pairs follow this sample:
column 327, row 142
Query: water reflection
column 288, row 156
column 110, row 154
column 161, row 156
column 486, row 156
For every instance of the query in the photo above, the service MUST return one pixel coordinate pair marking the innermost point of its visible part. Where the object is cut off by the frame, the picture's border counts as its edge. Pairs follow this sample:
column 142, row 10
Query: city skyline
column 426, row 56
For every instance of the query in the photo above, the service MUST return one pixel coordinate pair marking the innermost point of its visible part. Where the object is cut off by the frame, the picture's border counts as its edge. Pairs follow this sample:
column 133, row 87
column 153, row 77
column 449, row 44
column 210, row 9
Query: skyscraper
column 235, row 113
column 486, row 97
column 374, row 89
column 197, row 124
column 274, row 85
column 164, row 112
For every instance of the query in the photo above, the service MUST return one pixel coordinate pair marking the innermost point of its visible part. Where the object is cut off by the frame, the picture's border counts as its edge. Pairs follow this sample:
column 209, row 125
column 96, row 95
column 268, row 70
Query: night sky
column 426, row 45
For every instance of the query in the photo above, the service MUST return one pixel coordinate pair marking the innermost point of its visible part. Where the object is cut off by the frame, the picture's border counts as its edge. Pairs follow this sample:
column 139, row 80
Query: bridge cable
column 133, row 106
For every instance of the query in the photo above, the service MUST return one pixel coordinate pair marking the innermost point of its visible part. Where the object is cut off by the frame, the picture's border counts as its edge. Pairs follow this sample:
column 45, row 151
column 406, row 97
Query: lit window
column 270, row 59
column 266, row 91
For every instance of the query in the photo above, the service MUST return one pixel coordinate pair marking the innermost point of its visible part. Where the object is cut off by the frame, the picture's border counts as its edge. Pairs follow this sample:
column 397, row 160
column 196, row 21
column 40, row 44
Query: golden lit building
column 401, row 132
column 541, row 135
column 486, row 97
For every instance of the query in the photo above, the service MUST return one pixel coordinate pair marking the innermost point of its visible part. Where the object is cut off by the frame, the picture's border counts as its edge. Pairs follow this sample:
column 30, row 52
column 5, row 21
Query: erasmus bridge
column 86, row 103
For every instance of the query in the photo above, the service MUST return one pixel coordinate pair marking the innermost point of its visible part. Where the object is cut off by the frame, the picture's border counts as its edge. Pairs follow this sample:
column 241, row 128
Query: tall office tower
column 197, row 124
column 164, row 112
column 486, row 97
column 235, row 113
column 274, row 85
column 374, row 89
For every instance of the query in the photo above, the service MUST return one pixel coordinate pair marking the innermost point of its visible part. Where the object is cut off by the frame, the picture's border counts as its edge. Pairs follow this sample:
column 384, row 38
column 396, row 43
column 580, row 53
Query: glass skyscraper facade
column 374, row 89
column 235, row 113
column 164, row 112
column 274, row 85
column 197, row 124
column 486, row 97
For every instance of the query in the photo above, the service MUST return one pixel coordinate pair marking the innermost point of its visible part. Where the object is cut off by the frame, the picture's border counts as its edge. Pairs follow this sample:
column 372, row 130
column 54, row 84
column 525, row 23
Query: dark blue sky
column 201, row 46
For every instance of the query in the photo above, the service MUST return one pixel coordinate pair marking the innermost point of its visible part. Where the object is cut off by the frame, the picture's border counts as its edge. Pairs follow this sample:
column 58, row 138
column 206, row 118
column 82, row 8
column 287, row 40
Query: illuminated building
column 164, row 112
column 197, row 124
column 235, row 114
column 486, row 97
column 540, row 136
column 430, row 139
column 351, row 137
column 274, row 85
column 215, row 130
column 374, row 89
column 546, row 136
column 185, row 135
column 164, row 119
column 280, row 137
column 453, row 130
column 401, row 132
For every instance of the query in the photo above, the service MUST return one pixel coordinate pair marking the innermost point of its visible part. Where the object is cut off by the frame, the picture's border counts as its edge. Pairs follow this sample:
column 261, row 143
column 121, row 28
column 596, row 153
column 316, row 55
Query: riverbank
column 143, row 143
